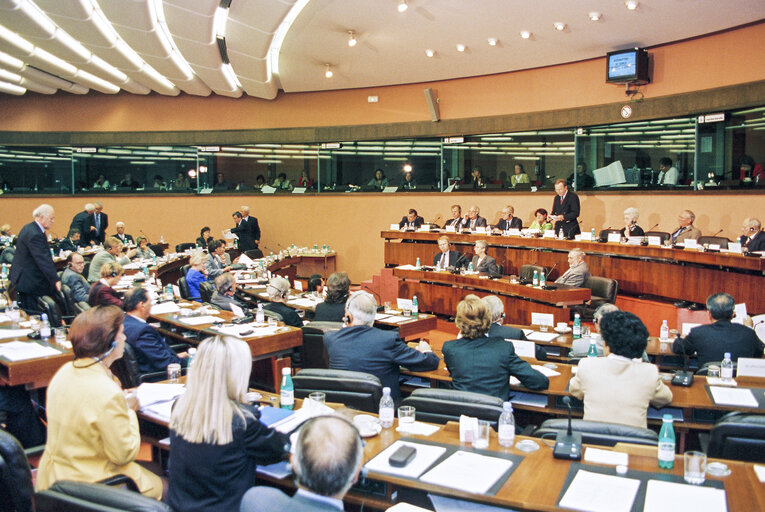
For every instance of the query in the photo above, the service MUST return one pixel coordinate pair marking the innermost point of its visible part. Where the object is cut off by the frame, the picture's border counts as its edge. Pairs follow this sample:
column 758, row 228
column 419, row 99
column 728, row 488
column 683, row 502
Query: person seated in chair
column 333, row 307
column 72, row 277
column 196, row 275
column 121, row 236
column 482, row 262
column 619, row 388
column 143, row 251
column 447, row 258
column 152, row 353
column 102, row 293
column 225, row 293
column 473, row 220
column 278, row 289
column 508, row 221
column 71, row 242
column 411, row 221
column 316, row 284
column 218, row 261
column 204, row 237
column 578, row 272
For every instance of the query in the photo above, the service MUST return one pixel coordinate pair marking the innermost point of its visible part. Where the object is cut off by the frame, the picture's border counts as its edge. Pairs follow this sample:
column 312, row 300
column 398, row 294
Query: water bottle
column 415, row 308
column 45, row 329
column 5, row 272
column 260, row 316
column 593, row 235
column 386, row 409
column 542, row 280
column 146, row 270
column 535, row 279
column 666, row 443
column 577, row 330
column 726, row 368
column 593, row 351
column 506, row 425
column 162, row 239
column 664, row 332
column 470, row 267
column 287, row 390
column 154, row 260
column 418, row 264
column 192, row 353
column 560, row 234
column 169, row 292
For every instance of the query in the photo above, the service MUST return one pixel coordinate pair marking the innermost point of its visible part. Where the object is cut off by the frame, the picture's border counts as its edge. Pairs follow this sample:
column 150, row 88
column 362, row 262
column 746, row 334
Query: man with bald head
column 473, row 220
column 577, row 272
column 752, row 236
column 687, row 229
column 326, row 462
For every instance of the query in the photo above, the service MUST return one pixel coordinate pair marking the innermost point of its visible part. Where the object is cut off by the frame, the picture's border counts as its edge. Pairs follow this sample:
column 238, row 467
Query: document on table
column 671, row 496
column 23, row 350
column 759, row 470
column 426, row 455
column 468, row 471
column 594, row 492
column 198, row 320
column 160, row 411
column 237, row 330
column 542, row 336
column 444, row 504
column 395, row 319
column 152, row 393
column 737, row 397
column 165, row 307
column 14, row 333
column 547, row 372
column 304, row 303
column 598, row 456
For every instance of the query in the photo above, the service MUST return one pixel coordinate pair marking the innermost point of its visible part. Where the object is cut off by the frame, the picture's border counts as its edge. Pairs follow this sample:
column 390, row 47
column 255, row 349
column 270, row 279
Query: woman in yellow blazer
column 92, row 426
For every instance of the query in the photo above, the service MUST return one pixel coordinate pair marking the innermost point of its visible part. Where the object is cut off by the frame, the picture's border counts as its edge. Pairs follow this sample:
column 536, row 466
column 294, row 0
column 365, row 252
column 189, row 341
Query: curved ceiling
column 259, row 47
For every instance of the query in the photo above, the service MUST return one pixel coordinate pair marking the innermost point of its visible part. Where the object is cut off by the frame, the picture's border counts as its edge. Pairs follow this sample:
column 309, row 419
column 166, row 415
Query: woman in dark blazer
column 102, row 293
column 333, row 307
column 482, row 262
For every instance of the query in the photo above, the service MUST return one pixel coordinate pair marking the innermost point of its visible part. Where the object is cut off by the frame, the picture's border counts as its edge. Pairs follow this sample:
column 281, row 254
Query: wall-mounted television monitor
column 627, row 66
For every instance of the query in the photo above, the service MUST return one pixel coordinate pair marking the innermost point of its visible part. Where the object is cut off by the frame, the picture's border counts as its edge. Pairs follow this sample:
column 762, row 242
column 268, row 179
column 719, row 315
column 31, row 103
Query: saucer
column 562, row 331
column 368, row 426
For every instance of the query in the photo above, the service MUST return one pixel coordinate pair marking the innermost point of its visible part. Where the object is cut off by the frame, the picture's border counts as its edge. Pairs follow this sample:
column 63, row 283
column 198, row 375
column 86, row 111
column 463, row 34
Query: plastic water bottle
column 386, row 409
column 667, row 443
column 577, row 330
column 5, row 272
column 169, row 292
column 560, row 234
column 192, row 353
column 287, row 390
column 506, row 425
column 726, row 368
column 45, row 329
column 418, row 264
column 415, row 307
column 593, row 235
column 535, row 279
column 260, row 316
column 470, row 267
column 542, row 280
column 664, row 332
column 593, row 351
column 146, row 270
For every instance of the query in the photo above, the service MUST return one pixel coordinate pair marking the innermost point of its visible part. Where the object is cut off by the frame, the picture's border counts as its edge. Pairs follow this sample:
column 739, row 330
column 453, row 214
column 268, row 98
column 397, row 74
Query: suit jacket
column 66, row 244
column 99, row 260
column 511, row 333
column 252, row 224
column 456, row 222
column 485, row 364
column 100, row 232
column 515, row 223
column 32, row 270
column 225, row 301
column 103, row 295
column 214, row 266
column 124, row 238
column 419, row 221
column 488, row 265
column 268, row 499
column 618, row 390
column 454, row 259
column 82, row 222
column 757, row 243
column 202, row 242
column 575, row 276
column 711, row 342
column 246, row 242
column 568, row 206
column 152, row 352
column 635, row 230
column 480, row 222
column 92, row 434
column 686, row 233
column 362, row 348
column 77, row 283
column 289, row 316
column 194, row 278
column 326, row 312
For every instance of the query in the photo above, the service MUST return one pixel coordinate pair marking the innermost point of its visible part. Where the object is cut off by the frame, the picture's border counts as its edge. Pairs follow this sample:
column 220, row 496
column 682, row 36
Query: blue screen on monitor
column 622, row 65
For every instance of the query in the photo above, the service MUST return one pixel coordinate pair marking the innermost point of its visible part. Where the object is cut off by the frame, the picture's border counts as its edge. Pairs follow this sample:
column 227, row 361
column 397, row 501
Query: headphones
column 282, row 294
column 112, row 346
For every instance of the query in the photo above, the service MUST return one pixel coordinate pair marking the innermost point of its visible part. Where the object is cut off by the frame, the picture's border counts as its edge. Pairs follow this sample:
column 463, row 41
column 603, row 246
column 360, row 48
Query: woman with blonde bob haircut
column 216, row 436
column 481, row 363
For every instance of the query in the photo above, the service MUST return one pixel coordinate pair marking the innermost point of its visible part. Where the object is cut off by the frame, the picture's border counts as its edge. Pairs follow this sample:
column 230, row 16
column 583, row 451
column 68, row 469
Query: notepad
column 594, row 492
column 14, row 333
column 23, row 350
column 426, row 456
column 542, row 336
column 468, row 471
column 670, row 497
column 731, row 396
column 198, row 320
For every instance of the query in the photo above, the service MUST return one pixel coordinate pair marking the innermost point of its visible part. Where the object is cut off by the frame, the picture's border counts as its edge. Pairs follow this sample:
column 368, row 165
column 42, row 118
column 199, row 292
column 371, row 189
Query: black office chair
column 663, row 235
column 206, row 289
column 184, row 270
column 738, row 436
column 273, row 314
column 602, row 290
column 183, row 286
column 158, row 249
column 185, row 246
column 714, row 240
column 598, row 432
column 527, row 272
column 442, row 405
column 314, row 355
column 357, row 390
column 254, row 254
column 50, row 307
column 73, row 307
column 603, row 236
column 704, row 370
column 6, row 256
column 126, row 370
column 15, row 476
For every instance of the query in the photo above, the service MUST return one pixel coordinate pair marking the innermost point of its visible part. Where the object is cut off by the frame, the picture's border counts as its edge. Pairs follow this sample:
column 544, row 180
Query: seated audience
column 121, row 236
column 92, row 425
column 631, row 227
column 379, row 182
column 278, row 289
column 752, row 236
column 583, row 180
column 216, row 438
column 481, row 363
column 143, row 251
column 71, row 242
column 519, row 176
column 196, row 274
column 101, row 183
column 72, row 277
column 102, row 292
column 204, row 237
column 686, row 229
column 181, row 181
column 411, row 220
column 748, row 170
column 112, row 249
column 217, row 261
column 305, row 180
column 409, row 182
column 333, row 307
column 473, row 220
column 159, row 183
column 476, row 178
column 710, row 342
column 508, row 221
column 316, row 284
column 129, row 182
column 482, row 262
column 281, row 182
column 225, row 293
column 619, row 388
column 360, row 347
column 260, row 180
column 540, row 221
column 152, row 352
column 220, row 182
column 446, row 258
column 668, row 174
column 578, row 272
column 326, row 463
column 456, row 219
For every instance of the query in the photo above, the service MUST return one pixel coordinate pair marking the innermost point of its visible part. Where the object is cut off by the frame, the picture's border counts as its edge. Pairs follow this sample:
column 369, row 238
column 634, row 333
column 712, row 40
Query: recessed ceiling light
column 328, row 72
column 525, row 34
column 559, row 25
column 631, row 4
column 594, row 16
column 492, row 41
column 402, row 6
column 460, row 47
column 430, row 52
column 351, row 39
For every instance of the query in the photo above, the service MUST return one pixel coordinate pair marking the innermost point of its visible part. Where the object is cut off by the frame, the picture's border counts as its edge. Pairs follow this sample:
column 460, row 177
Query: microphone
column 718, row 232
column 604, row 236
column 144, row 235
column 550, row 271
column 683, row 377
column 652, row 227
column 568, row 445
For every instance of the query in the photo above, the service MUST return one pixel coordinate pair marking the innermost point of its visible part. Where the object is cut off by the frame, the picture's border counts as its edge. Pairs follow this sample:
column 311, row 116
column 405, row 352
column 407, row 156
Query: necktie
column 677, row 233
column 443, row 262
column 98, row 221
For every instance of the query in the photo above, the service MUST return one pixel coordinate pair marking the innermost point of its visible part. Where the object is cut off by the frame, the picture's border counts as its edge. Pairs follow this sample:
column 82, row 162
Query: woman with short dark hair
column 333, row 307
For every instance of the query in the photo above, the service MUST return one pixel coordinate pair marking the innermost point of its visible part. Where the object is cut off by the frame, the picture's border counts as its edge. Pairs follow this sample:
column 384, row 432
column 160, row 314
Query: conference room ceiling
column 260, row 47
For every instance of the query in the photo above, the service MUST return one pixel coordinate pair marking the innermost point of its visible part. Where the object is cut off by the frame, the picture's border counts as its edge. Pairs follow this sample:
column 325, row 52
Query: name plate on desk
column 654, row 240
column 690, row 243
column 389, row 190
column 425, row 227
column 394, row 227
column 298, row 190
column 514, row 232
column 615, row 237
column 450, row 228
column 542, row 319
column 750, row 367
column 634, row 240
column 548, row 234
column 734, row 247
column 586, row 236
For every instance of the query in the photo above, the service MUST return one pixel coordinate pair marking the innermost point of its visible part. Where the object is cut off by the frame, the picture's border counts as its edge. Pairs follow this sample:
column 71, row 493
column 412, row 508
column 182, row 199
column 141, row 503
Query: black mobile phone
column 403, row 456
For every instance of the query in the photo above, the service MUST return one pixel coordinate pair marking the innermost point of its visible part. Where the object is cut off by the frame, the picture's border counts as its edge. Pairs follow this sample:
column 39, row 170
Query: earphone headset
column 112, row 346
column 282, row 293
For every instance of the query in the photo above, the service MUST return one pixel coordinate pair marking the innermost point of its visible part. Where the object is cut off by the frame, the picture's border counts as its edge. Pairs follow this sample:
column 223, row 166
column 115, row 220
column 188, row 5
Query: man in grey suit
column 112, row 249
column 72, row 277
column 577, row 272
column 326, row 462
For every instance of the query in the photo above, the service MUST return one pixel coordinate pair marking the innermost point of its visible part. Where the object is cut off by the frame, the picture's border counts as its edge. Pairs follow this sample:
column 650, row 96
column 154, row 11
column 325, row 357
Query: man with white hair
column 360, row 347
column 278, row 289
column 473, row 220
column 252, row 224
column 577, row 272
column 497, row 330
column 33, row 272
column 120, row 234
column 752, row 236
column 83, row 222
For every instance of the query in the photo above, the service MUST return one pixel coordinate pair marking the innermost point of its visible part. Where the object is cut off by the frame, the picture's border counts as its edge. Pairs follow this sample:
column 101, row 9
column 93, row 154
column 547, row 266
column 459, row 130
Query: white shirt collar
column 40, row 226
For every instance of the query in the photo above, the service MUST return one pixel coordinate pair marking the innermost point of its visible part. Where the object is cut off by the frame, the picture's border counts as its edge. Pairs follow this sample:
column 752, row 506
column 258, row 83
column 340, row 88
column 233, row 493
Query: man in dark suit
column 152, row 352
column 252, row 224
column 83, row 222
column 363, row 348
column 456, row 219
column 565, row 210
column 482, row 262
column 508, row 221
column 243, row 231
column 752, row 237
column 121, row 236
column 100, row 222
column 326, row 462
column 473, row 220
column 711, row 342
column 446, row 258
column 411, row 220
column 33, row 272
column 71, row 242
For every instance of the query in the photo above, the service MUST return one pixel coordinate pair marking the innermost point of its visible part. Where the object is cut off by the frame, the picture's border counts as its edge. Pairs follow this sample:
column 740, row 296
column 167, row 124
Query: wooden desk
column 656, row 271
column 33, row 373
column 440, row 292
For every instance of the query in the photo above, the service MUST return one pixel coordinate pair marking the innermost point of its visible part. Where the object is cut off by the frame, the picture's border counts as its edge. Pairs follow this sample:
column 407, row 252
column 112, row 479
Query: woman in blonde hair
column 216, row 439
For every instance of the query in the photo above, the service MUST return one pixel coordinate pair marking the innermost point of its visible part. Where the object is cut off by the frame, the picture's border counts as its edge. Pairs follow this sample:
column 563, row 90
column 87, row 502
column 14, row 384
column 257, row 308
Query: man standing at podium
column 565, row 210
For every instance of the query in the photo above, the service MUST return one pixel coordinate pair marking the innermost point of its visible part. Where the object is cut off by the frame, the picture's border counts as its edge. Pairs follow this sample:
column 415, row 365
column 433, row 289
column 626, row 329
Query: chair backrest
column 254, row 254
column 602, row 288
column 714, row 240
column 738, row 436
column 157, row 249
column 663, row 235
column 527, row 271
column 357, row 390
column 7, row 255
column 442, row 405
column 126, row 368
column 184, row 270
column 68, row 300
column 273, row 314
column 49, row 306
column 314, row 354
column 183, row 286
column 185, row 246
column 600, row 433
column 603, row 236
column 206, row 289
column 80, row 496
column 704, row 370
column 15, row 476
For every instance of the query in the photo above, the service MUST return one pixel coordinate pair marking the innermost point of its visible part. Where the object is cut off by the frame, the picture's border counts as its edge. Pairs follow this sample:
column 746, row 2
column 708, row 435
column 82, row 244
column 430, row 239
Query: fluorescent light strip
column 275, row 47
column 11, row 88
column 157, row 14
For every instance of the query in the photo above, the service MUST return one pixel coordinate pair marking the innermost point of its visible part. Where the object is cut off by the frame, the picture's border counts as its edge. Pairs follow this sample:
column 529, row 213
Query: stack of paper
column 23, row 350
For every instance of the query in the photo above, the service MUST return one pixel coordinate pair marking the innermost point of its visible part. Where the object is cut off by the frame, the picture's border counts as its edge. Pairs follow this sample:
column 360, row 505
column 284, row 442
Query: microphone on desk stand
column 604, row 236
column 645, row 234
column 682, row 377
column 568, row 445
column 547, row 277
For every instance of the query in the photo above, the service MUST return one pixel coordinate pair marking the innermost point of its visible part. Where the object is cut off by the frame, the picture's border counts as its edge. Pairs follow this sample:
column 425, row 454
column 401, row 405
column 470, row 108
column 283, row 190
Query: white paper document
column 396, row 319
column 469, row 472
column 406, row 507
column 444, row 504
column 198, row 320
column 542, row 319
column 426, row 456
column 23, row 350
column 152, row 393
column 6, row 334
column 730, row 396
column 547, row 372
column 594, row 492
column 160, row 411
column 245, row 260
column 524, row 348
column 759, row 470
column 418, row 428
column 598, row 456
column 542, row 336
column 671, row 497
